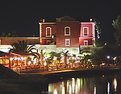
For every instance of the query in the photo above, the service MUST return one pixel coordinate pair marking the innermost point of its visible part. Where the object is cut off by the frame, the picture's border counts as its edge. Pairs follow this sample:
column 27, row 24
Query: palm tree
column 42, row 57
column 117, row 25
column 22, row 47
column 65, row 57
column 54, row 54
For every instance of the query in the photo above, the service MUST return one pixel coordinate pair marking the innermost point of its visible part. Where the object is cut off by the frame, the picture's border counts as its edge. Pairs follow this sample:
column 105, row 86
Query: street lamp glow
column 108, row 57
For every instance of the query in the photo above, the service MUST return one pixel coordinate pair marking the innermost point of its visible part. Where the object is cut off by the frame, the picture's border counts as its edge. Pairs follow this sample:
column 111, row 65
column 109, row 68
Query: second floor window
column 85, row 42
column 85, row 31
column 48, row 31
column 67, row 31
column 67, row 42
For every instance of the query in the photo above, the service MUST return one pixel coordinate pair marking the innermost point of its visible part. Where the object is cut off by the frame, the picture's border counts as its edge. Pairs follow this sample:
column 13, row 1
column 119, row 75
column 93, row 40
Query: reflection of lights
column 76, row 89
column 55, row 91
column 70, row 90
column 115, row 84
column 81, row 82
column 63, row 90
column 78, row 83
column 108, row 88
column 68, row 84
column 73, row 84
column 94, row 89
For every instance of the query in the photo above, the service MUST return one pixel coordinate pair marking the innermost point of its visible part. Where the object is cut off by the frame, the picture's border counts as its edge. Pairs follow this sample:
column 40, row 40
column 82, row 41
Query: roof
column 65, row 18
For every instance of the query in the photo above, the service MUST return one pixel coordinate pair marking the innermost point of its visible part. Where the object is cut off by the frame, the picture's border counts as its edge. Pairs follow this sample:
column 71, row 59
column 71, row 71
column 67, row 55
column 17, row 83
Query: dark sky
column 22, row 16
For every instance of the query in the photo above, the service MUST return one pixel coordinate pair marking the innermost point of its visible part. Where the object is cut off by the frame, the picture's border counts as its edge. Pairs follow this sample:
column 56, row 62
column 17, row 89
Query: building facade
column 87, row 34
column 66, row 32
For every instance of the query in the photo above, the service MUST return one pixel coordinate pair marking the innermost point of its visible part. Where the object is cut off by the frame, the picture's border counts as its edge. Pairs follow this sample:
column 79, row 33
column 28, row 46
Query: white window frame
column 69, row 42
column 87, row 31
column 86, row 42
column 47, row 31
column 65, row 31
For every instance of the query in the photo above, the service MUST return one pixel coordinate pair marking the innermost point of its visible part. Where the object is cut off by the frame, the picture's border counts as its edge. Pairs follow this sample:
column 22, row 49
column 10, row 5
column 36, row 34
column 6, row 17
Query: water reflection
column 85, row 85
column 108, row 88
column 115, row 84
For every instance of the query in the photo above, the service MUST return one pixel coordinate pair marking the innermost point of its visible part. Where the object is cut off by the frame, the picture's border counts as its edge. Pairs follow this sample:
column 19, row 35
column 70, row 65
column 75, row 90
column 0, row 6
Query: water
column 103, row 84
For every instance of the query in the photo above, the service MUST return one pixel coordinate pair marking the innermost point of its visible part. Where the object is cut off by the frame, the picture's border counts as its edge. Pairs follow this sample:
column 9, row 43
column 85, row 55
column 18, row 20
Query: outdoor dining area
column 18, row 62
column 28, row 63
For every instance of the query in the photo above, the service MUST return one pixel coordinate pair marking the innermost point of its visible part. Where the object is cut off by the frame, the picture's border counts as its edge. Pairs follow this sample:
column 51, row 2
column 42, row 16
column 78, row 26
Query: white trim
column 93, row 30
column 65, row 31
column 47, row 23
column 47, row 32
column 67, row 45
column 86, row 22
column 86, row 42
column 40, row 33
column 87, row 30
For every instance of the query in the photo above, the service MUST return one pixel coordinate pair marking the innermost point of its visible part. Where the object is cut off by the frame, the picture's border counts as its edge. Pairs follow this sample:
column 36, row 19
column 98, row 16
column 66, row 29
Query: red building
column 87, row 34
column 66, row 32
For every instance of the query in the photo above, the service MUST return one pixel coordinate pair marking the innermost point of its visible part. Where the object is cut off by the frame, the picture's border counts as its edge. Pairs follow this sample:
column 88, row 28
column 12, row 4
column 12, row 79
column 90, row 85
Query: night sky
column 22, row 16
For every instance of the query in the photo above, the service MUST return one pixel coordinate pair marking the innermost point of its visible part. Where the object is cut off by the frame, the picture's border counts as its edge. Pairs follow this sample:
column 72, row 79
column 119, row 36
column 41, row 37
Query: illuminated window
column 48, row 31
column 67, row 31
column 67, row 42
column 85, row 31
column 85, row 42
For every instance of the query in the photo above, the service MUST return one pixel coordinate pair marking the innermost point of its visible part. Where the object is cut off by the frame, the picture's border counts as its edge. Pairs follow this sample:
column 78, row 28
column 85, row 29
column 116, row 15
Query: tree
column 22, row 47
column 65, row 57
column 98, row 32
column 117, row 25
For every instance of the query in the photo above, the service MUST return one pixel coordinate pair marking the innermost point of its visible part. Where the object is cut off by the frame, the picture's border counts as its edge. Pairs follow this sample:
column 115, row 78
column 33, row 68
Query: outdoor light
column 52, row 36
column 11, row 58
column 114, row 58
column 108, row 57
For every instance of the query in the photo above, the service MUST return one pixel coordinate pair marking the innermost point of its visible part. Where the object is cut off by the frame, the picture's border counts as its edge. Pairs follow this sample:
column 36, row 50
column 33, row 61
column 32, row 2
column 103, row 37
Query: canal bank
column 50, row 76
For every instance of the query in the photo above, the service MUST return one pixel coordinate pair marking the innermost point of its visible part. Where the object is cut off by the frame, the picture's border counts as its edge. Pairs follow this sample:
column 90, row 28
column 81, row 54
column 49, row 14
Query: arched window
column 85, row 31
column 67, row 31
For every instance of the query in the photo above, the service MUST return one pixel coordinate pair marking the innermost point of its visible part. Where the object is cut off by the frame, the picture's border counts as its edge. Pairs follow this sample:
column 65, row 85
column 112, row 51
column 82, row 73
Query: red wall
column 89, row 37
column 43, row 30
column 74, row 37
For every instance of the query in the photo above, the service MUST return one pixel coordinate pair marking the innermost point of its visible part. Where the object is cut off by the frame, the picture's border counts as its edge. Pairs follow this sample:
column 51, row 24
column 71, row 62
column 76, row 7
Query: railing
column 60, row 66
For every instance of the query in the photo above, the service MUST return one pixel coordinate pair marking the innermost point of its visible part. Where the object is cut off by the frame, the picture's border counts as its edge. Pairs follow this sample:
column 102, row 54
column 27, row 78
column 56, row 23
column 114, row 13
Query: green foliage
column 58, row 55
column 98, row 55
column 97, row 28
column 85, row 50
column 22, row 47
column 117, row 25
column 49, row 61
column 8, row 34
column 71, row 60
